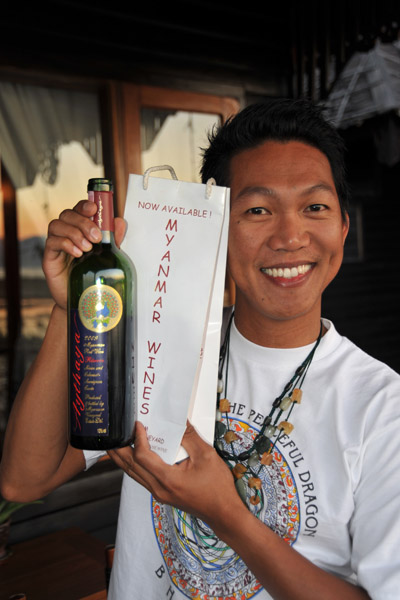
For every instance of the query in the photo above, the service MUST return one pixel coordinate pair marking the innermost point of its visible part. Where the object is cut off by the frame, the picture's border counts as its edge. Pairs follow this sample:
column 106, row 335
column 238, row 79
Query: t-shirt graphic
column 203, row 567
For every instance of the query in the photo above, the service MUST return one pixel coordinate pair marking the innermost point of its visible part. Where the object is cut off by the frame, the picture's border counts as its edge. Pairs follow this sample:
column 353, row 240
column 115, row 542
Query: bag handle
column 159, row 168
column 209, row 184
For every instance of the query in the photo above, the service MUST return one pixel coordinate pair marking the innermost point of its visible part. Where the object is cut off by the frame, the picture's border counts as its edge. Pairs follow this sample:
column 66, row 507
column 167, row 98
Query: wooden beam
column 11, row 263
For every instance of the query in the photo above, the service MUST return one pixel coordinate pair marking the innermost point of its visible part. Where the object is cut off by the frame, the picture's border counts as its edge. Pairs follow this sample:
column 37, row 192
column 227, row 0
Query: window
column 175, row 138
column 51, row 144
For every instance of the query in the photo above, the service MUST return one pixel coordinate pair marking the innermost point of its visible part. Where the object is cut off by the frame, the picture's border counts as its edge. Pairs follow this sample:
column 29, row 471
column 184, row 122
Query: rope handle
column 146, row 176
column 209, row 185
column 159, row 168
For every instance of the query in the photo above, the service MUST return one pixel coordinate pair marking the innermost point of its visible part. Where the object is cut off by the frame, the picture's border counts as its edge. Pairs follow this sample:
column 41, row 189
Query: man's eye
column 258, row 210
column 316, row 207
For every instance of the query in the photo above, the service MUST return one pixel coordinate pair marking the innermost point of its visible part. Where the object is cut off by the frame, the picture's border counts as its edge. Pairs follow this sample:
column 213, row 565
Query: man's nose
column 289, row 233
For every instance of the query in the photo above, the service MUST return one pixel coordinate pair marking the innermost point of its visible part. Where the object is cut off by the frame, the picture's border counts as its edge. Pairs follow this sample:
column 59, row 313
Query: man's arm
column 203, row 486
column 37, row 457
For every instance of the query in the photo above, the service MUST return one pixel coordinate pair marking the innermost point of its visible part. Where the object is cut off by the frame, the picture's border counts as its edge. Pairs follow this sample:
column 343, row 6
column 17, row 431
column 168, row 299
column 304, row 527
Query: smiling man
column 298, row 498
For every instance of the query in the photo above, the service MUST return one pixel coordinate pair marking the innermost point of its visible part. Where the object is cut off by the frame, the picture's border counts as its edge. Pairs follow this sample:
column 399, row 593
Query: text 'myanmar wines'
column 101, row 329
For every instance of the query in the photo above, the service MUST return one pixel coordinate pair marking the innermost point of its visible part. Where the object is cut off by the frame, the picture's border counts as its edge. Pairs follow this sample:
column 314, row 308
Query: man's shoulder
column 363, row 364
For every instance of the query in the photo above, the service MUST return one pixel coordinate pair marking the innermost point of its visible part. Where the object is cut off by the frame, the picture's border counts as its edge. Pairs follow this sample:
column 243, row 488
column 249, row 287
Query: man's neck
column 272, row 333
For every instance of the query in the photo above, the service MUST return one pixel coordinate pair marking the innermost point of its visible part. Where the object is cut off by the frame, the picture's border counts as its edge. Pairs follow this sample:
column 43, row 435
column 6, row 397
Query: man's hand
column 69, row 236
column 201, row 485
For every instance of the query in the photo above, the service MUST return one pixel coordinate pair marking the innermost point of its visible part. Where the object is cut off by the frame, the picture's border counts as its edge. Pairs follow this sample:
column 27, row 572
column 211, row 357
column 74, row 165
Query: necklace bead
column 266, row 459
column 286, row 402
column 239, row 470
column 224, row 405
column 254, row 482
column 253, row 459
column 300, row 370
column 230, row 436
column 219, row 446
column 220, row 429
column 270, row 431
column 255, row 500
column 244, row 456
column 241, row 490
column 297, row 395
column 286, row 427
column 262, row 444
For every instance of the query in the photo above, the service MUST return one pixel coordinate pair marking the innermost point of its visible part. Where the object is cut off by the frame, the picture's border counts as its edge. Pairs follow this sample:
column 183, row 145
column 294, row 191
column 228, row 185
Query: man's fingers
column 73, row 232
column 68, row 240
column 85, row 207
column 80, row 221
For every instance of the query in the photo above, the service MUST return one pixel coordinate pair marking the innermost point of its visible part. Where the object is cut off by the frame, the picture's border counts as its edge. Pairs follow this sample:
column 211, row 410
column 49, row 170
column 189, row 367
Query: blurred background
column 92, row 89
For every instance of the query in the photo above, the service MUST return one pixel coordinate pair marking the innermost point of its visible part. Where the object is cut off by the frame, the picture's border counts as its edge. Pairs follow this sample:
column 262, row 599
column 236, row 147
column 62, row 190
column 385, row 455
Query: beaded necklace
column 247, row 466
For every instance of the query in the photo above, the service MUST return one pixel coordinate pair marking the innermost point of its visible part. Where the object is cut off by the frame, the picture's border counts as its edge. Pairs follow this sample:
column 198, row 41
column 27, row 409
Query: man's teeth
column 287, row 273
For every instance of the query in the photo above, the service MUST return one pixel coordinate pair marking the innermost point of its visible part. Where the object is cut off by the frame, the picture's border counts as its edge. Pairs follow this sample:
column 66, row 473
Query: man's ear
column 345, row 226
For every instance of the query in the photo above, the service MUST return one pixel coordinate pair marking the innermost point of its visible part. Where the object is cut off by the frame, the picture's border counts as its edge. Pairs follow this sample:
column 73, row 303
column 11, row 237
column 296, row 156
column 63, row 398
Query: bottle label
column 100, row 308
column 99, row 311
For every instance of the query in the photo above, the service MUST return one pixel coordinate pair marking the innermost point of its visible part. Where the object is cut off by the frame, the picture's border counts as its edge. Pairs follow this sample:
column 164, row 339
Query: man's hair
column 278, row 120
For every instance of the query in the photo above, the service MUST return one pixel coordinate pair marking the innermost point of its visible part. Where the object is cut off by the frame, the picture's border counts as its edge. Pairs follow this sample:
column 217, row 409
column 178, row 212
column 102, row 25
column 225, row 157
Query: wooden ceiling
column 248, row 44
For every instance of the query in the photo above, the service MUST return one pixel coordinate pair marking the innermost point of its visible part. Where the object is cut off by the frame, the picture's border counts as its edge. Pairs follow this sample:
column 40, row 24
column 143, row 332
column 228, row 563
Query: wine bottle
column 101, row 333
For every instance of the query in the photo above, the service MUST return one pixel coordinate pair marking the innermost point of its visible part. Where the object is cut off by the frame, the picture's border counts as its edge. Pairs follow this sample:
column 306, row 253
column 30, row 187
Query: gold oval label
column 100, row 308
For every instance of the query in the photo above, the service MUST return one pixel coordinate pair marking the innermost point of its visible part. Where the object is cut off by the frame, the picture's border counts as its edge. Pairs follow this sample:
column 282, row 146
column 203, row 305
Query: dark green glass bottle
column 101, row 326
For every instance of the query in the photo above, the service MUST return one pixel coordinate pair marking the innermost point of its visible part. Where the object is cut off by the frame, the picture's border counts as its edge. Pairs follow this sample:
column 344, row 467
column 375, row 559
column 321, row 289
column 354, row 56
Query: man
column 272, row 512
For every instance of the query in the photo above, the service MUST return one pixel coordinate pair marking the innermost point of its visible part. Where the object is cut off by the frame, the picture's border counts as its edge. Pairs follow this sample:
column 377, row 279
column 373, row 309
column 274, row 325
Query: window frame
column 126, row 102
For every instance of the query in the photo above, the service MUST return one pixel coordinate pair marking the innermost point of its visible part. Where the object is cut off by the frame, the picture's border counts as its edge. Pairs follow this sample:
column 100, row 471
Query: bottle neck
column 104, row 218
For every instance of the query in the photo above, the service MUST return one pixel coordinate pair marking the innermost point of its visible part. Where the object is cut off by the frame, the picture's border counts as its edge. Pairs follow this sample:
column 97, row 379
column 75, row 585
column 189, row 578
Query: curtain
column 36, row 121
column 369, row 85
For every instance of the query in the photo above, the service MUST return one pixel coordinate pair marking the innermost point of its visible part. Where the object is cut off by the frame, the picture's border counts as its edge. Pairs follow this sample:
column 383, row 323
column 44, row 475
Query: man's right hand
column 69, row 236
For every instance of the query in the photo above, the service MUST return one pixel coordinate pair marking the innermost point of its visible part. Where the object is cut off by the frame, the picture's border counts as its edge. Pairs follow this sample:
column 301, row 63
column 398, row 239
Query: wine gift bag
column 177, row 234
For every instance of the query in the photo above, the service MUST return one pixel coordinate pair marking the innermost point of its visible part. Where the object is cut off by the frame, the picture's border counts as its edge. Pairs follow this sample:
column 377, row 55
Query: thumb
column 193, row 443
column 120, row 227
column 141, row 440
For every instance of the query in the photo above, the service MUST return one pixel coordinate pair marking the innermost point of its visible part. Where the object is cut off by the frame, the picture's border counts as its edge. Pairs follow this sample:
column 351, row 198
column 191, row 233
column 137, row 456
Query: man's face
column 286, row 232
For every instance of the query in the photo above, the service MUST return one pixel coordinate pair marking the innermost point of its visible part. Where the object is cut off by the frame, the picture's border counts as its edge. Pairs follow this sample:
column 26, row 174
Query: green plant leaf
column 8, row 508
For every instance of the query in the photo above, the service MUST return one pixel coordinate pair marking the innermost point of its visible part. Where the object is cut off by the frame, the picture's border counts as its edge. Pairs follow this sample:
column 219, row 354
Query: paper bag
column 177, row 238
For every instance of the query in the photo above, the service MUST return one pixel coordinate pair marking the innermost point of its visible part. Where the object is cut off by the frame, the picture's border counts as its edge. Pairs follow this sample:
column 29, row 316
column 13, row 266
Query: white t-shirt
column 333, row 490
